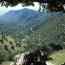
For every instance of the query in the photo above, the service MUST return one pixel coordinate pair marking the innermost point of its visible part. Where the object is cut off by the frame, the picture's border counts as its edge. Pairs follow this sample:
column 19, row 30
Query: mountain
column 24, row 16
column 51, row 32
column 26, row 29
column 32, row 25
column 21, row 20
column 15, row 30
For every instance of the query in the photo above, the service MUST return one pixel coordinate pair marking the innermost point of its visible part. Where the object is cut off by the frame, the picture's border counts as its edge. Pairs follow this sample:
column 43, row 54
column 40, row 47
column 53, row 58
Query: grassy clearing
column 6, row 63
column 58, row 57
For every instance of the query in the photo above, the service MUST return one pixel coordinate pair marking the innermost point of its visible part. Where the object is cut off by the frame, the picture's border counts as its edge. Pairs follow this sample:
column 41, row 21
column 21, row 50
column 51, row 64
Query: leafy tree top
column 53, row 4
column 15, row 2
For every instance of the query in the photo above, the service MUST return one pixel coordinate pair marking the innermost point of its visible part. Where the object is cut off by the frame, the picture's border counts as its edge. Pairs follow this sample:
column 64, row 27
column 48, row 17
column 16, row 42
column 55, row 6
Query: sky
column 3, row 9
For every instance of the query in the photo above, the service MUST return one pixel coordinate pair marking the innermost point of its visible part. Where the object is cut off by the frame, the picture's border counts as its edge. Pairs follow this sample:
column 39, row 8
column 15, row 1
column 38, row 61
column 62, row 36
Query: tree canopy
column 27, row 2
column 15, row 2
column 52, row 4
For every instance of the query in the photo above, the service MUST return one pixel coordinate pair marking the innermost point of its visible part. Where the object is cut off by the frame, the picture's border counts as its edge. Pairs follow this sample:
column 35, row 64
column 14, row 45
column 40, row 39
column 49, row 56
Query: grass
column 58, row 57
column 6, row 63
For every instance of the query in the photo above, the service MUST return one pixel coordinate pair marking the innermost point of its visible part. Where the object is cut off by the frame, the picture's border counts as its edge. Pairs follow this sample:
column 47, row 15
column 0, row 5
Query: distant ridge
column 24, row 16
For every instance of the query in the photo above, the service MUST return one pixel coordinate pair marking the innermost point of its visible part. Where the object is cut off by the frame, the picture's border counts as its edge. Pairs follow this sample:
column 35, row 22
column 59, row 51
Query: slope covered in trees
column 49, row 33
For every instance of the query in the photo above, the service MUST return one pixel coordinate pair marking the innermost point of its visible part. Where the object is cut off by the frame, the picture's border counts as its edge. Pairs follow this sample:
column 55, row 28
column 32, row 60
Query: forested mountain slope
column 29, row 30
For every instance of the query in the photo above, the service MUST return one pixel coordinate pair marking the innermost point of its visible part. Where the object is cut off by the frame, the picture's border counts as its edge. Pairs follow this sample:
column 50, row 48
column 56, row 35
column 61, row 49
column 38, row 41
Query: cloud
column 3, row 9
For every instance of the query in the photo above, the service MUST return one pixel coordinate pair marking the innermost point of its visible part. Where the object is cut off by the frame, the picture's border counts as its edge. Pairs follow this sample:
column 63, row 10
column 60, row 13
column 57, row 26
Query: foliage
column 29, row 2
column 53, row 5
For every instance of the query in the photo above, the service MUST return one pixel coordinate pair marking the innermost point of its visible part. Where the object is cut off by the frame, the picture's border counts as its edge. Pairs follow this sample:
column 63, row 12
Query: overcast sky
column 3, row 9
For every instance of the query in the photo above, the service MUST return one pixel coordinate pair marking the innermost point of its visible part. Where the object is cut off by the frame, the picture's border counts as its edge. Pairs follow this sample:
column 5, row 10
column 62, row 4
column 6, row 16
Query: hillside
column 21, row 21
column 29, row 29
column 48, row 33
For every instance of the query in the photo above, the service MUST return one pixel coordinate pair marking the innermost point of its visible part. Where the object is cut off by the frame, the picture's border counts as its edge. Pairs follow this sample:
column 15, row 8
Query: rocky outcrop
column 36, row 57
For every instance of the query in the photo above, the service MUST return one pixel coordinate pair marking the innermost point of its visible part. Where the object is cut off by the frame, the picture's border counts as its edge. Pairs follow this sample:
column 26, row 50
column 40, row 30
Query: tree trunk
column 39, row 7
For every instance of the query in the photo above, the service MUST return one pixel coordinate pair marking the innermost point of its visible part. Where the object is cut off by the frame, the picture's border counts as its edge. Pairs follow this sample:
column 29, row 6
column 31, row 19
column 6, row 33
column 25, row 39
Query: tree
column 53, row 5
column 24, row 2
column 56, row 5
column 15, row 2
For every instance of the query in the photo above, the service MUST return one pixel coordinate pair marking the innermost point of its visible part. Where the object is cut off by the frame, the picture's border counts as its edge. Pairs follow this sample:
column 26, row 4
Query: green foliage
column 15, row 2
column 3, row 55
